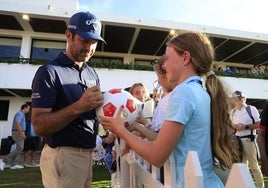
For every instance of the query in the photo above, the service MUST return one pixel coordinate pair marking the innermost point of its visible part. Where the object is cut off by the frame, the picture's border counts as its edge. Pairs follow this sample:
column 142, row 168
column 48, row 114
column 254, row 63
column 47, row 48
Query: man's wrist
column 21, row 133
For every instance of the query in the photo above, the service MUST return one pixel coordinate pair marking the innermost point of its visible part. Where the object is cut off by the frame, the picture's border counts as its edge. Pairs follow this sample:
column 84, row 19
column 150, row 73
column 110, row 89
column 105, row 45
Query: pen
column 83, row 85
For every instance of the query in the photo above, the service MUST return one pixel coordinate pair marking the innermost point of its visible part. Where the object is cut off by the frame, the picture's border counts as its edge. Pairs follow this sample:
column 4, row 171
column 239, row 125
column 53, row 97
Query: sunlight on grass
column 265, row 181
column 10, row 184
column 101, row 184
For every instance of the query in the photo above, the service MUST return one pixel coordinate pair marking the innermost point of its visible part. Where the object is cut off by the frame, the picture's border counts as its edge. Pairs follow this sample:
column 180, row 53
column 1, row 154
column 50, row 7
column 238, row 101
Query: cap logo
column 88, row 22
column 93, row 23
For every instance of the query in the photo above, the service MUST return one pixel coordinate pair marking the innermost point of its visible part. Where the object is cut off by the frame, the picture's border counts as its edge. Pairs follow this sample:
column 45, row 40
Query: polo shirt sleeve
column 264, row 116
column 44, row 85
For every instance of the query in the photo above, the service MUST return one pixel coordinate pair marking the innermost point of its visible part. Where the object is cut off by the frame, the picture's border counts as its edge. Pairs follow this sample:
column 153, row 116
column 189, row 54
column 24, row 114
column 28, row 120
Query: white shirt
column 159, row 113
column 242, row 117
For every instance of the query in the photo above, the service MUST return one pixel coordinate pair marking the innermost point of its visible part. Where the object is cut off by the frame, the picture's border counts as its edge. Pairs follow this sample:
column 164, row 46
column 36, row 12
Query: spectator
column 192, row 113
column 235, row 70
column 31, row 145
column 18, row 134
column 140, row 92
column 160, row 110
column 246, row 120
column 262, row 140
column 111, row 159
column 114, row 173
column 265, row 71
column 228, row 70
column 158, row 92
column 99, row 151
column 220, row 69
column 215, row 67
column 256, row 69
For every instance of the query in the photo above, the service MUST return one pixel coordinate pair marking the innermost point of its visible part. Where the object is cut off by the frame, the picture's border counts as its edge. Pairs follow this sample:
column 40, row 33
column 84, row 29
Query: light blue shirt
column 32, row 133
column 189, row 105
column 19, row 117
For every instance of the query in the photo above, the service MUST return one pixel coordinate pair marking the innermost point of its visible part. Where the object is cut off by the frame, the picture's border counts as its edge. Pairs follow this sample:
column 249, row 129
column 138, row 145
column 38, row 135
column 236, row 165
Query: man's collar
column 64, row 60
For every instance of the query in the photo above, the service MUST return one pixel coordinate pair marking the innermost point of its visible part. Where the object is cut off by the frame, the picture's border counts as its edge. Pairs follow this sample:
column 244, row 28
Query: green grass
column 266, row 181
column 31, row 178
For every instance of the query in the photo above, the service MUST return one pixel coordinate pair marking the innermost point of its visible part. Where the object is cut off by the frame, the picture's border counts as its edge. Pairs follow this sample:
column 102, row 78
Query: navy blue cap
column 239, row 95
column 86, row 25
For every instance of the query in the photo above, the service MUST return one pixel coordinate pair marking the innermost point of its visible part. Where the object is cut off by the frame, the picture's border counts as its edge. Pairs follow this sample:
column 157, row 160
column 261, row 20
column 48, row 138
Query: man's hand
column 22, row 135
column 239, row 127
column 91, row 99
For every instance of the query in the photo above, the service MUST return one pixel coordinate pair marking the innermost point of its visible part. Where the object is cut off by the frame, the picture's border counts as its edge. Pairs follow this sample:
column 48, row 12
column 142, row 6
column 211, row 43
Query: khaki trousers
column 13, row 157
column 250, row 158
column 66, row 167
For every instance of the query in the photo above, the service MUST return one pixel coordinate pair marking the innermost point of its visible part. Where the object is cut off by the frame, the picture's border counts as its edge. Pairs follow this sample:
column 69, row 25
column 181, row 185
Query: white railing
column 136, row 172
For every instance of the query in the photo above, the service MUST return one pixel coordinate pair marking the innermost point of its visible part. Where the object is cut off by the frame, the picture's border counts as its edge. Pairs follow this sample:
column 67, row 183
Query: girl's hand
column 141, row 118
column 113, row 124
column 126, row 150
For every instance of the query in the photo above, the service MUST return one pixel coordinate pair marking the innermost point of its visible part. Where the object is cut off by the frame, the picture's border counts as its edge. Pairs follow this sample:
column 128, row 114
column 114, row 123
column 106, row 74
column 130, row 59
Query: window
column 4, row 110
column 42, row 49
column 10, row 47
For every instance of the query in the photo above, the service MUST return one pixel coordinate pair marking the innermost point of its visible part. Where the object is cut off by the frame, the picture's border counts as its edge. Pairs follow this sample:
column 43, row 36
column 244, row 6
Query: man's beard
column 82, row 56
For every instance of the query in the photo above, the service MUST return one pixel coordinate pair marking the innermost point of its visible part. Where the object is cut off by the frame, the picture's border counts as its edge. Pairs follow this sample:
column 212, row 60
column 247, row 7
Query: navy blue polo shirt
column 264, row 122
column 264, row 116
column 55, row 86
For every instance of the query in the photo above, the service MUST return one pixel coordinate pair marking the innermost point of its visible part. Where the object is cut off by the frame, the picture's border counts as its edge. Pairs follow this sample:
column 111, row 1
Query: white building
column 129, row 40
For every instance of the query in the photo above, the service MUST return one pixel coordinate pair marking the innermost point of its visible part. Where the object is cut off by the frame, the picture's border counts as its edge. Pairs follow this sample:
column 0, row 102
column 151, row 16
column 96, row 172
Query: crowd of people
column 191, row 113
column 256, row 69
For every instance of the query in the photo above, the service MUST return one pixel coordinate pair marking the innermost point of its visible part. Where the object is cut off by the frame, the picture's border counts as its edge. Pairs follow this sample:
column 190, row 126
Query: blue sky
column 245, row 15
